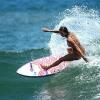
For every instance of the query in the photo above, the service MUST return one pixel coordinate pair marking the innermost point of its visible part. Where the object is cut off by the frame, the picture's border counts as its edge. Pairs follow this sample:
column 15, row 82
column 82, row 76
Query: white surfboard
column 34, row 68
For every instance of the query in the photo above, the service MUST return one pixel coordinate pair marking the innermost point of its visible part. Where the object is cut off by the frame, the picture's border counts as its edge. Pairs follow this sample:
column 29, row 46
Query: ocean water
column 22, row 40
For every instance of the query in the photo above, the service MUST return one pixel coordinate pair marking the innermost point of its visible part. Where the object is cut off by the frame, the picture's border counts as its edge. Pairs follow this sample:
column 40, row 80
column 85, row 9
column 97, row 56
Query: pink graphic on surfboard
column 34, row 68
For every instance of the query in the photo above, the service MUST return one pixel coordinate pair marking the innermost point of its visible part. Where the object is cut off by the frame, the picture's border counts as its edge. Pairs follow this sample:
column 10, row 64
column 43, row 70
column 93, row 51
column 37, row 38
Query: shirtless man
column 75, row 52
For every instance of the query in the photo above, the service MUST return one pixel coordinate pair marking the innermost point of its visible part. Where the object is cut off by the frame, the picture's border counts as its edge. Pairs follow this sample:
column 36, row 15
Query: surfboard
column 33, row 68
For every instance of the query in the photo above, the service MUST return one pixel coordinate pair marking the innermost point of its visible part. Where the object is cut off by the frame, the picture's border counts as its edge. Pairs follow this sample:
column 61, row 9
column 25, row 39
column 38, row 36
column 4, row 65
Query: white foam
column 97, row 97
column 85, row 24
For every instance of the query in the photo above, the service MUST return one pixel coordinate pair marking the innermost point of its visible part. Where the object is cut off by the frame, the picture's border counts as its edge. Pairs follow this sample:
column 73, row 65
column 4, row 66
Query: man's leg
column 69, row 57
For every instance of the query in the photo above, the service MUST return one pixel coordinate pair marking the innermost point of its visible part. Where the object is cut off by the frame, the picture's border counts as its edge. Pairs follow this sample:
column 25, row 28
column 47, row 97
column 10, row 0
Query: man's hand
column 86, row 60
column 49, row 30
column 45, row 30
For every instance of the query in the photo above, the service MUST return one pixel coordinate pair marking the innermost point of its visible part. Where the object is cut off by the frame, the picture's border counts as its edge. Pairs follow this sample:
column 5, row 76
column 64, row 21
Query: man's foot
column 45, row 67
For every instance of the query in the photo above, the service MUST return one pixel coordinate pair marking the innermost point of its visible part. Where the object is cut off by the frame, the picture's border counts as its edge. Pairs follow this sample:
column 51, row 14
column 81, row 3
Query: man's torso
column 74, row 38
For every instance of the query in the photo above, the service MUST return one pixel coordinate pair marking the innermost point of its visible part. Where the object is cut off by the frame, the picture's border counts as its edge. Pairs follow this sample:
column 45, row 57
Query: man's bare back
column 72, row 38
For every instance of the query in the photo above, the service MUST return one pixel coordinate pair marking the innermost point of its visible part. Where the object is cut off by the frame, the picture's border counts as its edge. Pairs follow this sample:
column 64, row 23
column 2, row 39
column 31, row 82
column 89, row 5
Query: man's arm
column 48, row 30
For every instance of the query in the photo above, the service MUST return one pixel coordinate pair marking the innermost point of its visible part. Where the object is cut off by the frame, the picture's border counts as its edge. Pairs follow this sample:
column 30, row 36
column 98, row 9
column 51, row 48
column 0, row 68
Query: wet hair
column 63, row 28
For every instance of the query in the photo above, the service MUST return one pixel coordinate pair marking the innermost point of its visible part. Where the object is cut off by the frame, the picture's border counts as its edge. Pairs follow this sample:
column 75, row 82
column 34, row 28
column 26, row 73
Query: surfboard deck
column 34, row 68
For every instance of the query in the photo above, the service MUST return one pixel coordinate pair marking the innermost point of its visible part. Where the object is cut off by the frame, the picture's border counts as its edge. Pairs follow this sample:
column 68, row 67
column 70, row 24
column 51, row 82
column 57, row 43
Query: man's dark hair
column 63, row 28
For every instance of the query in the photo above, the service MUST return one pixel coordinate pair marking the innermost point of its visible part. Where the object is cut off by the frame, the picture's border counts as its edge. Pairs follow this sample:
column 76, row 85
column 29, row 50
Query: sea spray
column 85, row 23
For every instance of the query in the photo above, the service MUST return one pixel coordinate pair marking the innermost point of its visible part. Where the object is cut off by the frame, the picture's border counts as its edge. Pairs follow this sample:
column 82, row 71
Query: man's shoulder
column 72, row 35
column 69, row 38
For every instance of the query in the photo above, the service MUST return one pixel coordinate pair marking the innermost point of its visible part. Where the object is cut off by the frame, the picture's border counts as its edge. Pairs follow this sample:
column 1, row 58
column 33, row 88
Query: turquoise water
column 21, row 40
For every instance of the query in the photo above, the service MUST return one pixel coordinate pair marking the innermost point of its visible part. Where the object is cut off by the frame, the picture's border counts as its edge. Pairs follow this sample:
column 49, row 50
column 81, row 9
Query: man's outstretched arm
column 49, row 30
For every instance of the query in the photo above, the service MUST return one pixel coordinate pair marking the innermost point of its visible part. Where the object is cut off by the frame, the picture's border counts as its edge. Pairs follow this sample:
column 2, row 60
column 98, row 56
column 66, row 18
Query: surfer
column 75, row 51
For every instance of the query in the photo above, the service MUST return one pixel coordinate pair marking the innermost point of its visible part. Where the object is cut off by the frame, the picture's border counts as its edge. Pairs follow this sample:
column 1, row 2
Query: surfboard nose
column 25, row 70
